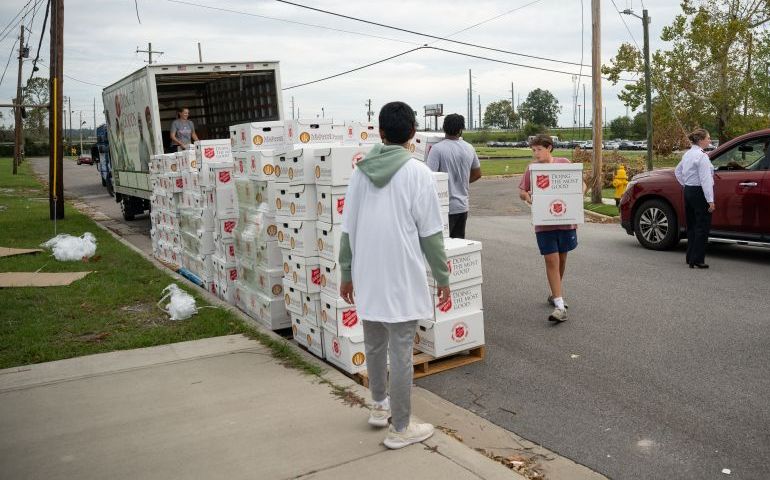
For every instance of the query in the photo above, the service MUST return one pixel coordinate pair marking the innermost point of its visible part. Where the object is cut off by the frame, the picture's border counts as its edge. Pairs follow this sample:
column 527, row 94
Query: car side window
column 751, row 155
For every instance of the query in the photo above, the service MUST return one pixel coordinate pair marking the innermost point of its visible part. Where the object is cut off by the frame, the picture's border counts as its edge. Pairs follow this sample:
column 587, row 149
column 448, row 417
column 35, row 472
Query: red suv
column 652, row 207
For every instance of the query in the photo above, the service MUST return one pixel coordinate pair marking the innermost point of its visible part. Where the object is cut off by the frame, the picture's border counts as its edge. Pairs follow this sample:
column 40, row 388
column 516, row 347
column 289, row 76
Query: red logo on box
column 209, row 152
column 357, row 158
column 557, row 208
column 543, row 181
column 179, row 183
column 231, row 250
column 459, row 332
column 224, row 176
column 349, row 318
column 316, row 275
column 229, row 226
column 233, row 274
column 336, row 348
column 340, row 205
column 240, row 166
column 446, row 306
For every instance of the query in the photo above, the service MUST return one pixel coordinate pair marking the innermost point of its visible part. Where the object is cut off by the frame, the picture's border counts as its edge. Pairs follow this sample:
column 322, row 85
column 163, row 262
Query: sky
column 101, row 39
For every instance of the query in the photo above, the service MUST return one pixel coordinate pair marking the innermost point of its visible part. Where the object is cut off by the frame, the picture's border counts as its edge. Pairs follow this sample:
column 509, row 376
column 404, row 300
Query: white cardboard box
column 268, row 254
column 302, row 238
column 566, row 209
column 300, row 166
column 329, row 238
column 339, row 317
column 334, row 165
column 556, row 178
column 331, row 203
column 464, row 259
column 450, row 335
column 303, row 202
column 345, row 352
column 423, row 142
column 226, row 202
column 292, row 297
column 225, row 227
column 311, row 307
column 282, row 200
column 445, row 220
column 261, row 164
column 331, row 276
column 308, row 335
column 241, row 165
column 303, row 273
column 265, row 194
column 364, row 133
column 313, row 131
column 258, row 135
column 465, row 297
column 269, row 311
column 441, row 180
column 213, row 151
column 284, row 230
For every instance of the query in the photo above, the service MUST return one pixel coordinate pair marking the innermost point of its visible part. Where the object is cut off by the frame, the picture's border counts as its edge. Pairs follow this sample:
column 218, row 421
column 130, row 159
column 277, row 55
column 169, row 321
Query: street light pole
column 645, row 18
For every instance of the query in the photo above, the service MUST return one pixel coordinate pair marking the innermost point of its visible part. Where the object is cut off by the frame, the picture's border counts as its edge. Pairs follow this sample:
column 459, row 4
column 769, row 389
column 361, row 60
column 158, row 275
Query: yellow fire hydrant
column 619, row 181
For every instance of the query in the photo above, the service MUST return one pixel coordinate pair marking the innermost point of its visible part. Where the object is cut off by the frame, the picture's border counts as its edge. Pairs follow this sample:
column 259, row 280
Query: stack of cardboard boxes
column 166, row 203
column 257, row 148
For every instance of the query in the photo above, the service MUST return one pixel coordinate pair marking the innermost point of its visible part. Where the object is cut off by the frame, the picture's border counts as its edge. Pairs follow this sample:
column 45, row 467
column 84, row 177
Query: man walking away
column 391, row 224
column 457, row 158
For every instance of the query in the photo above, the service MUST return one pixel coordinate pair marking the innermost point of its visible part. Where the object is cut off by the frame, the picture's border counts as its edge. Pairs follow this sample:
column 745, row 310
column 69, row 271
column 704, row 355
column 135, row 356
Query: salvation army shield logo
column 209, row 152
column 340, row 205
column 349, row 318
column 459, row 332
column 557, row 208
column 543, row 181
column 224, row 176
column 446, row 306
column 336, row 350
column 229, row 226
column 316, row 276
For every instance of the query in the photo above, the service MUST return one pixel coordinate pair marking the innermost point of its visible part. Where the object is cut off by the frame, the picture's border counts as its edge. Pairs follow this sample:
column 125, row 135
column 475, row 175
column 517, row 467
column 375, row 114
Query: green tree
column 621, row 127
column 540, row 108
column 639, row 126
column 704, row 78
column 534, row 129
column 500, row 114
column 36, row 93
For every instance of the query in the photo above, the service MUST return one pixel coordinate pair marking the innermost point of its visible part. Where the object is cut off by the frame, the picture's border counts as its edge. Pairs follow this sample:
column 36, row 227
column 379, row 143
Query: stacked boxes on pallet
column 343, row 331
column 166, row 202
column 259, row 289
column 297, row 217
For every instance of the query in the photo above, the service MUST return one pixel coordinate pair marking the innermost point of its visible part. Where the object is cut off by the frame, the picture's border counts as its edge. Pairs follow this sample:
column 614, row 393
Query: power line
column 10, row 55
column 491, row 19
column 240, row 12
column 40, row 43
column 354, row 69
column 426, row 34
column 9, row 28
column 626, row 24
column 73, row 78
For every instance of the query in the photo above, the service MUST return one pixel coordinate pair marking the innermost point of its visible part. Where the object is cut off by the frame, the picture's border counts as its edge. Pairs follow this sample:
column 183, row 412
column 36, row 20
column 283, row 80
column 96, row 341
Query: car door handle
column 748, row 184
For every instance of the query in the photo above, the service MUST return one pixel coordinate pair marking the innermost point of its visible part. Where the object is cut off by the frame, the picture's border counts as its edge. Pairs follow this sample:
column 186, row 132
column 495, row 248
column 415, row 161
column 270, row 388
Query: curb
column 594, row 217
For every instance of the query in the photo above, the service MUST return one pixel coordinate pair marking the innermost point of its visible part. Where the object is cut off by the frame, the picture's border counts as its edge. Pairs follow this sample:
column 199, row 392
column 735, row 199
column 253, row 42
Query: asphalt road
column 660, row 372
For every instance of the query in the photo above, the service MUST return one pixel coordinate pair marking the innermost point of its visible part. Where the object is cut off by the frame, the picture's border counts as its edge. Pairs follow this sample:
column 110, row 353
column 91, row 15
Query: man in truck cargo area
column 182, row 130
column 391, row 219
column 458, row 159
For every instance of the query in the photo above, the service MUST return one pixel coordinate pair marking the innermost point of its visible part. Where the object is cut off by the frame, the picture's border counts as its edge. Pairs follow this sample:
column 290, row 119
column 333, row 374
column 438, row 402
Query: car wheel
column 656, row 226
column 78, row 162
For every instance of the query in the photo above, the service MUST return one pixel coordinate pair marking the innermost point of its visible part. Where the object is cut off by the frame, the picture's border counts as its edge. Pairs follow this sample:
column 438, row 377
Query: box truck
column 140, row 107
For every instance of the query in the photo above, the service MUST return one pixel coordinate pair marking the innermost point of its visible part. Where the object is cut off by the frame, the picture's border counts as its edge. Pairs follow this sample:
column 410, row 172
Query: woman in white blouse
column 695, row 174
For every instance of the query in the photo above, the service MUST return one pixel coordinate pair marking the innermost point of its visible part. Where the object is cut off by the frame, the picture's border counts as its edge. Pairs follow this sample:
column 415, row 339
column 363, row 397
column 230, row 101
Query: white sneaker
column 553, row 304
column 378, row 416
column 558, row 315
column 414, row 433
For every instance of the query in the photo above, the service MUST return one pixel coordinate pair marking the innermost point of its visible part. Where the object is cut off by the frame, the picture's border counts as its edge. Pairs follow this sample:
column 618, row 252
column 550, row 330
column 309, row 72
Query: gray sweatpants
column 397, row 340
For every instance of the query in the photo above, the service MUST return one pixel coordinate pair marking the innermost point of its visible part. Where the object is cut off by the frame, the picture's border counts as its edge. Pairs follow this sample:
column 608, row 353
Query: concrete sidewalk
column 217, row 408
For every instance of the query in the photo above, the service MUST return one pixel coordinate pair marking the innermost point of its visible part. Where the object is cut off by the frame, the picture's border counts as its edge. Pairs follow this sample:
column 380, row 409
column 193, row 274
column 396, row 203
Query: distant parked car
column 627, row 145
column 611, row 146
column 85, row 159
column 652, row 207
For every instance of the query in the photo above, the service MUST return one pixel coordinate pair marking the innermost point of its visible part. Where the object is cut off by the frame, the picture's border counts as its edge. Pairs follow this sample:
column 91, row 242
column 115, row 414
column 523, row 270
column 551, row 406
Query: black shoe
column 699, row 265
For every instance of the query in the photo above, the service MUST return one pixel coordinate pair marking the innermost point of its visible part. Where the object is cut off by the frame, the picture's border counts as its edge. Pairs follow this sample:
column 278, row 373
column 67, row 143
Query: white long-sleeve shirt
column 695, row 170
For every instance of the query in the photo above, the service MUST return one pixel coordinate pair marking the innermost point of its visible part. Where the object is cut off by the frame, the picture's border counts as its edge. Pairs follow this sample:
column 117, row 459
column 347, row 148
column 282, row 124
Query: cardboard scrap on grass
column 10, row 252
column 39, row 279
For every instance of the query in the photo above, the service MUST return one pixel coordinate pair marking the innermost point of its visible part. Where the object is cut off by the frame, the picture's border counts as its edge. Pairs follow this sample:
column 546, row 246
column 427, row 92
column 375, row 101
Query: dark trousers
column 698, row 224
column 457, row 224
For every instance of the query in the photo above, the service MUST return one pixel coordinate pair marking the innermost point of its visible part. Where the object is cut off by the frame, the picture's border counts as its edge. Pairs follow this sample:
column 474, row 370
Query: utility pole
column 17, row 111
column 150, row 51
column 292, row 107
column 596, row 63
column 200, row 55
column 480, row 112
column 94, row 117
column 69, row 109
column 369, row 110
column 512, row 104
column 470, row 99
column 585, row 106
column 647, row 86
column 56, row 67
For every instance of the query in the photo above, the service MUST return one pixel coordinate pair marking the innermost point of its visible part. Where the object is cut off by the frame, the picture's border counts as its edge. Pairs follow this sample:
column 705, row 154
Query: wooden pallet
column 425, row 364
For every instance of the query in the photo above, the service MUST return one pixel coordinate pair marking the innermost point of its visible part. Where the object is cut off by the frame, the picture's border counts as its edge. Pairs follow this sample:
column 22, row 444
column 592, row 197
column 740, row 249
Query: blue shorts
column 556, row 241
